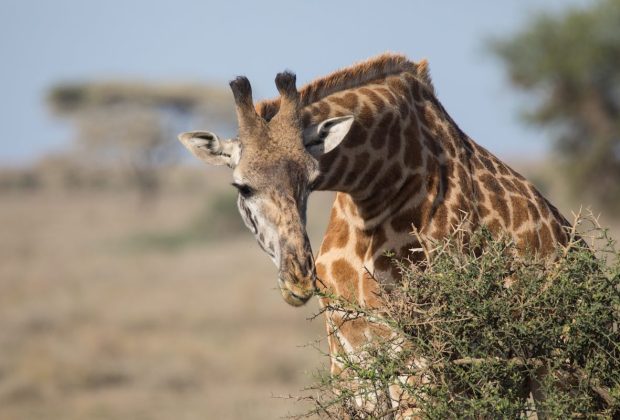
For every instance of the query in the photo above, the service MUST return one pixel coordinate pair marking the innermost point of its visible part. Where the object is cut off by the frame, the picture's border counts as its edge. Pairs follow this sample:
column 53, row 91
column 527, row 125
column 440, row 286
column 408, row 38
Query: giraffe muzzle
column 297, row 277
column 296, row 293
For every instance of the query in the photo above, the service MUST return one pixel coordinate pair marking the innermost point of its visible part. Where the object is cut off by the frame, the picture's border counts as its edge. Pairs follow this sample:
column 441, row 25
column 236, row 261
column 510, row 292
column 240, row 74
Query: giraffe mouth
column 295, row 295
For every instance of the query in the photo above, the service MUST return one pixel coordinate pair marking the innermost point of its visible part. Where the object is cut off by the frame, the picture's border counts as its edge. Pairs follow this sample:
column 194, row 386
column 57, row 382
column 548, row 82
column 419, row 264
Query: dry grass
column 93, row 328
column 90, row 328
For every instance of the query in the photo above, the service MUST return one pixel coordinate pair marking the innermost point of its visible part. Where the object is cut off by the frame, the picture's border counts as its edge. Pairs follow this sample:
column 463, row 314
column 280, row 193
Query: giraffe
column 376, row 134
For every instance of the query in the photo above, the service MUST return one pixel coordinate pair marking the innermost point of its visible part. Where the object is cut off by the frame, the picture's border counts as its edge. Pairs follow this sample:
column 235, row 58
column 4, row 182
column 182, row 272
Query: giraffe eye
column 243, row 189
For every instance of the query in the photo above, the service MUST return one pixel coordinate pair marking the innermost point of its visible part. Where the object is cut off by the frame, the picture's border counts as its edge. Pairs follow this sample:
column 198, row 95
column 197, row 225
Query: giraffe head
column 275, row 167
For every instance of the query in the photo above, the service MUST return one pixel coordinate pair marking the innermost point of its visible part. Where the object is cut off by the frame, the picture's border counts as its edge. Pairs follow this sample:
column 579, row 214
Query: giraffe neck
column 396, row 153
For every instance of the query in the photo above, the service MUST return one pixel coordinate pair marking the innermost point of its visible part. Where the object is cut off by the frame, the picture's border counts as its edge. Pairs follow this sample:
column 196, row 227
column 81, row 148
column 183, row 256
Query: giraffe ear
column 323, row 137
column 209, row 148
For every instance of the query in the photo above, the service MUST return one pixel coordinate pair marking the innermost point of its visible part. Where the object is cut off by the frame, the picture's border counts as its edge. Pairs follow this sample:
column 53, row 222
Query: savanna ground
column 110, row 310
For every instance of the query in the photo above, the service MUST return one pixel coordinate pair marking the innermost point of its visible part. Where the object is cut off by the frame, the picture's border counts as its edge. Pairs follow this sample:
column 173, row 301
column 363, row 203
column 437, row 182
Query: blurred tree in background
column 571, row 64
column 132, row 127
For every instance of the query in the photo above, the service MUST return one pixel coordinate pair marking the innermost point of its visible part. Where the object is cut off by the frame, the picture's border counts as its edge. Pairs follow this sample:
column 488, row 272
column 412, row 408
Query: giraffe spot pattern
column 344, row 273
column 361, row 244
column 366, row 116
column 413, row 152
column 394, row 138
column 406, row 162
column 546, row 239
column 359, row 165
column 411, row 186
column 403, row 145
column 492, row 185
column 348, row 101
column 337, row 236
column 370, row 174
column 374, row 98
column 498, row 203
column 388, row 96
column 357, row 136
column 342, row 165
column 520, row 213
column 402, row 222
column 378, row 138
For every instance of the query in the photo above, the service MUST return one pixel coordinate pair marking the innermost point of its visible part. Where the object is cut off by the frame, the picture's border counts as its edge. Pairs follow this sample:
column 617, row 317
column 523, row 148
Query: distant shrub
column 475, row 324
column 19, row 180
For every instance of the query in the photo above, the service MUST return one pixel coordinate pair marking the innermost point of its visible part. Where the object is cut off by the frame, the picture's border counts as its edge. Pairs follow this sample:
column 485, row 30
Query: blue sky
column 44, row 42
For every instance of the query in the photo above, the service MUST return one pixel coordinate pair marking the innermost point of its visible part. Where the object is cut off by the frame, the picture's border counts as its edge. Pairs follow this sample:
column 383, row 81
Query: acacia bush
column 476, row 325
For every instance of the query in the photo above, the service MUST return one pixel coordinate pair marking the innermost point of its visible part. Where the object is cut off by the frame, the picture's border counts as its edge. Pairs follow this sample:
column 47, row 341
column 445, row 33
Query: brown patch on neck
column 360, row 74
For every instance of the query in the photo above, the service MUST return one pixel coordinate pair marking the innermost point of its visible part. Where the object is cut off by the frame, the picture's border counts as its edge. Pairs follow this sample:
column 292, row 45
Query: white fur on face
column 265, row 232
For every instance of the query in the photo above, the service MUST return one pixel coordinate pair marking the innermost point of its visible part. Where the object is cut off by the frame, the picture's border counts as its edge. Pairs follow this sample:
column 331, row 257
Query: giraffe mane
column 359, row 74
